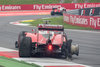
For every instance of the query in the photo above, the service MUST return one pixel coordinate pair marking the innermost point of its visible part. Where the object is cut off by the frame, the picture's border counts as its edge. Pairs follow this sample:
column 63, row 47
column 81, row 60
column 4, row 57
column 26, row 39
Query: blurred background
column 6, row 2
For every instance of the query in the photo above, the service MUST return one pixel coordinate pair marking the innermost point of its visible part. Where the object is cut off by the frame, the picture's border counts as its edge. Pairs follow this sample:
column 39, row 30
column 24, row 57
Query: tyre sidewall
column 25, row 47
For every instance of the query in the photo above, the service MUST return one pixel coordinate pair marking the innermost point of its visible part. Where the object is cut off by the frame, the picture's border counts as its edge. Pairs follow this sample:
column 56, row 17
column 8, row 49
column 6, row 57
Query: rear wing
column 50, row 27
column 54, row 8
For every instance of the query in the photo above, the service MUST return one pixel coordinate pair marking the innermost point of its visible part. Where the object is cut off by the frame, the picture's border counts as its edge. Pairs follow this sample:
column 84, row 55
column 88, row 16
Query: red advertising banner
column 48, row 6
column 84, row 21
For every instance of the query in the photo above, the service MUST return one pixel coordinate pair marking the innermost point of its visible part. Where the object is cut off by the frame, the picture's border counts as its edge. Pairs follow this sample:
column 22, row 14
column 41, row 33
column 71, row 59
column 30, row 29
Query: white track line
column 86, row 31
column 45, row 61
column 6, row 49
column 49, row 62
column 20, row 24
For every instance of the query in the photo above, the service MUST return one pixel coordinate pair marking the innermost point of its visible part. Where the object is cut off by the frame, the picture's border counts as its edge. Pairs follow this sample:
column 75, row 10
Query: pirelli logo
column 91, row 12
column 82, row 12
column 86, row 13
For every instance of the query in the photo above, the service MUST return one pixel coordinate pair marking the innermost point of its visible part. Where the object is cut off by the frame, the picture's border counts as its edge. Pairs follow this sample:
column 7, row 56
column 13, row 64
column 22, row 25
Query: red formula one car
column 58, row 11
column 47, row 40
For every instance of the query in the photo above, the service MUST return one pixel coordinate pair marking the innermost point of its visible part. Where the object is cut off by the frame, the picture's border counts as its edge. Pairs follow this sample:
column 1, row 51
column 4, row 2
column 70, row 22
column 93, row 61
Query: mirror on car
column 34, row 30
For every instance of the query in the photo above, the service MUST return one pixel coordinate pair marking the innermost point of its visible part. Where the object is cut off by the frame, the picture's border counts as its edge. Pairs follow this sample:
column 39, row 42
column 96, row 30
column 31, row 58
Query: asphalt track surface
column 89, row 41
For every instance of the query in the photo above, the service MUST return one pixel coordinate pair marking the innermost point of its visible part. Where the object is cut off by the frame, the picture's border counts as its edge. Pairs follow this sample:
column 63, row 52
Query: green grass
column 57, row 21
column 90, row 1
column 94, row 1
column 7, row 2
column 8, row 62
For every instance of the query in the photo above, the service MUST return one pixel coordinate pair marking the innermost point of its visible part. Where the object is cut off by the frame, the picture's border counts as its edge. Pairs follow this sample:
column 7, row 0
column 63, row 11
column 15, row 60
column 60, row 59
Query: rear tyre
column 20, row 38
column 65, row 54
column 52, row 13
column 22, row 34
column 69, row 49
column 61, row 13
column 64, row 51
column 25, row 47
column 16, row 44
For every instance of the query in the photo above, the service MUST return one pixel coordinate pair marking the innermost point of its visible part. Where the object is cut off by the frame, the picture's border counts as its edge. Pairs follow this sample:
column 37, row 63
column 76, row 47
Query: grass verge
column 8, row 62
column 57, row 21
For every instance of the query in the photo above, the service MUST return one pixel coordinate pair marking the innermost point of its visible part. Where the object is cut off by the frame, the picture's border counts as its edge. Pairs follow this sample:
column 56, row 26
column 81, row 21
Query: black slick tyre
column 20, row 38
column 64, row 51
column 52, row 13
column 69, row 49
column 25, row 47
column 16, row 44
